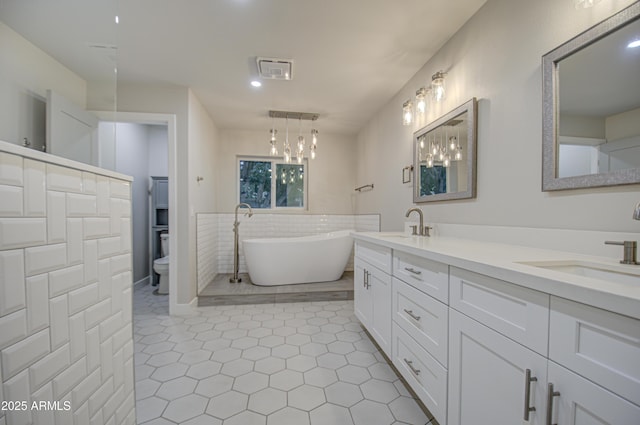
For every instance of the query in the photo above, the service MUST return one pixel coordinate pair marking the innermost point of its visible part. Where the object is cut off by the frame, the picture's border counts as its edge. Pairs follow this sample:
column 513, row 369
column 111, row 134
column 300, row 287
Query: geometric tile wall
column 66, row 335
column 214, row 233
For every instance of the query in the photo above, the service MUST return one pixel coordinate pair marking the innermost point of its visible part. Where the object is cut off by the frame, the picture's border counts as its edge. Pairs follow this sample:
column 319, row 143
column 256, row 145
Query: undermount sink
column 623, row 274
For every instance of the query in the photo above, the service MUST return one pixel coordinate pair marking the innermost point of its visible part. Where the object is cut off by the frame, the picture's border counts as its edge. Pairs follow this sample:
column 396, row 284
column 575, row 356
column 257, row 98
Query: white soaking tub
column 305, row 259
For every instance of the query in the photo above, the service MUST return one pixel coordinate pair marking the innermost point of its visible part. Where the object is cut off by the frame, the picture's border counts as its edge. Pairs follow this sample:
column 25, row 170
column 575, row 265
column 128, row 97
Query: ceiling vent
column 275, row 69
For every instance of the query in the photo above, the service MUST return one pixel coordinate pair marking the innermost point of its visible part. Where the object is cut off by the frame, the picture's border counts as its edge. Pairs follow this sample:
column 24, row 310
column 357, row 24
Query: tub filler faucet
column 421, row 229
column 236, row 224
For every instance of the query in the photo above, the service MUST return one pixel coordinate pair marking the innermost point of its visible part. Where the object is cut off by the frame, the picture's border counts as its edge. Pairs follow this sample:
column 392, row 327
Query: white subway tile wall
column 215, row 235
column 65, row 294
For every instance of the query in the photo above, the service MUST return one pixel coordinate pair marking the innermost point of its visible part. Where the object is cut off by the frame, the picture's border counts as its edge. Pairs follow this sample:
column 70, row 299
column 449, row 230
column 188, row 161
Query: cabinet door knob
column 550, row 395
column 413, row 316
column 528, row 379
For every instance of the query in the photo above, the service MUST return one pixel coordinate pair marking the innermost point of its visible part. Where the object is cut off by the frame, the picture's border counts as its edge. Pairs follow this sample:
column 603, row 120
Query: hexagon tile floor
column 264, row 364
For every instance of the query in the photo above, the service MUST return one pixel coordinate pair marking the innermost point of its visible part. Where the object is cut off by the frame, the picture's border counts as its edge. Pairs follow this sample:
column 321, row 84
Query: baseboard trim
column 143, row 281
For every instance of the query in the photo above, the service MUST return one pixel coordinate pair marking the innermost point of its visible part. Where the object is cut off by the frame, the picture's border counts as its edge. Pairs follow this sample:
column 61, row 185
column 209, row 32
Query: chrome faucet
column 236, row 223
column 423, row 230
column 636, row 212
column 630, row 251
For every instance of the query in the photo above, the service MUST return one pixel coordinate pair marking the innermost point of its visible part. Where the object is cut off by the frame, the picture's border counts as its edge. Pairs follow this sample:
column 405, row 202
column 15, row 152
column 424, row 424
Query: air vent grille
column 275, row 69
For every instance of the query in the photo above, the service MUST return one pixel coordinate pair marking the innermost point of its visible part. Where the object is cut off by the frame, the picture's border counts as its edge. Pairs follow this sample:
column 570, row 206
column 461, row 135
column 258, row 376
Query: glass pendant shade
column 437, row 86
column 274, row 149
column 421, row 101
column 458, row 155
column 407, row 113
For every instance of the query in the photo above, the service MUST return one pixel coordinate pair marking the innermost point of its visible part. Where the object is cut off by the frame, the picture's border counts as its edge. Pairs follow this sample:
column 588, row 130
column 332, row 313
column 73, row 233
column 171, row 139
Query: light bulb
column 446, row 161
column 429, row 161
column 274, row 150
column 458, row 155
column 313, row 154
column 422, row 143
column 314, row 137
column 407, row 113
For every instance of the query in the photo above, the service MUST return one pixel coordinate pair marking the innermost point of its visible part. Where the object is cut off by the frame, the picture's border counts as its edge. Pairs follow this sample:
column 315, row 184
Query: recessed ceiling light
column 256, row 83
column 635, row 43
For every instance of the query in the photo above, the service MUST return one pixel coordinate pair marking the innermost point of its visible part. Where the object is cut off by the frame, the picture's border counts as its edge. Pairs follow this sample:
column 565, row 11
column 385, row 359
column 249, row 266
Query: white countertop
column 502, row 261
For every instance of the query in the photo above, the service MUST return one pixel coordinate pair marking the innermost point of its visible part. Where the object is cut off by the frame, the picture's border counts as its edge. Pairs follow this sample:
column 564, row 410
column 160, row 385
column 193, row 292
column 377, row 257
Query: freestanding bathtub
column 305, row 259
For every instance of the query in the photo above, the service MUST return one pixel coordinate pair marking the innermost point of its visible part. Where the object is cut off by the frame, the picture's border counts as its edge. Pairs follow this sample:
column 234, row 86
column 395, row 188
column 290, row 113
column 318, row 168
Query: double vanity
column 488, row 333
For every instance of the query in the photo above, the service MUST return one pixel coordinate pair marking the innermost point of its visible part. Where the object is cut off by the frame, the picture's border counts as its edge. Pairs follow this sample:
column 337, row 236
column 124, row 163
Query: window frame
column 275, row 161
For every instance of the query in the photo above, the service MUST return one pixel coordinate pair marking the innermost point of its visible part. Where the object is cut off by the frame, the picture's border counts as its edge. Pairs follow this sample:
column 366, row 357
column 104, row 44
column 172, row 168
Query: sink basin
column 626, row 275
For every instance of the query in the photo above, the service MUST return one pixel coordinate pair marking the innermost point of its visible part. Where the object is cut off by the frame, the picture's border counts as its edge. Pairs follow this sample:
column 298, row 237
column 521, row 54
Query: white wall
column 65, row 290
column 495, row 57
column 203, row 141
column 331, row 174
column 132, row 159
column 158, row 151
column 27, row 72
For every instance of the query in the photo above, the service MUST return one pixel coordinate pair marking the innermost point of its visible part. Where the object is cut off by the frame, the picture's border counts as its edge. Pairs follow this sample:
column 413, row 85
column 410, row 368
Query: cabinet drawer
column 422, row 317
column 422, row 372
column 580, row 401
column 519, row 313
column 376, row 255
column 597, row 344
column 428, row 276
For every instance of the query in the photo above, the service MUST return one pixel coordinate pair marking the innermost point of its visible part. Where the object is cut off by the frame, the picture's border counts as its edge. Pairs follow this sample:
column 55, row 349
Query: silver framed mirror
column 591, row 107
column 444, row 156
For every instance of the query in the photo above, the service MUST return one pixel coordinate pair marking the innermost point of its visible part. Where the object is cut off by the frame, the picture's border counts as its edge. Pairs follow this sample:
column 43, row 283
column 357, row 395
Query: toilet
column 161, row 265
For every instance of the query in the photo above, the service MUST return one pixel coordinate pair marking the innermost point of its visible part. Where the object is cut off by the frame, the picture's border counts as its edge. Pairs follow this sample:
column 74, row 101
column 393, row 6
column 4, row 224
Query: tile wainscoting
column 66, row 332
column 215, row 235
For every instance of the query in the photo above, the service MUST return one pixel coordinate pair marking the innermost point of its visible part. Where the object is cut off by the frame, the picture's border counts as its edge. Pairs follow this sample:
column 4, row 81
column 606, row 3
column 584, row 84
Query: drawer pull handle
column 528, row 379
column 550, row 395
column 413, row 316
column 413, row 271
column 413, row 369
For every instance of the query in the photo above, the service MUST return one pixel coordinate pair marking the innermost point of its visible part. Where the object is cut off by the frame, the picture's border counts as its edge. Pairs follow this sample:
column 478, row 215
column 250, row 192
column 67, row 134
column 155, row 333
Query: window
column 272, row 184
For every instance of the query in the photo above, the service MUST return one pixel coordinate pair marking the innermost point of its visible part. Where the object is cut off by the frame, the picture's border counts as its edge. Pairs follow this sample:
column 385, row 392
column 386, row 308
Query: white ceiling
column 350, row 56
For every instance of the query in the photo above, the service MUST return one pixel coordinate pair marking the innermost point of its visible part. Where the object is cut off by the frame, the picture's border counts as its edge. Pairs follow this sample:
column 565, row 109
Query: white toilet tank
column 164, row 244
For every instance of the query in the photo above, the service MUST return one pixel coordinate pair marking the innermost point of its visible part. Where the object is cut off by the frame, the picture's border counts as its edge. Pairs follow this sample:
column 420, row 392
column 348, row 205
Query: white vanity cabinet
column 478, row 349
column 498, row 335
column 372, row 291
column 420, row 328
column 602, row 347
column 492, row 379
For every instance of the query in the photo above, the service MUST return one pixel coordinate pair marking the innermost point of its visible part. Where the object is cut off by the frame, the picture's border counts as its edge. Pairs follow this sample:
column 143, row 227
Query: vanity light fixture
column 437, row 85
column 421, row 101
column 584, row 4
column 407, row 112
column 301, row 144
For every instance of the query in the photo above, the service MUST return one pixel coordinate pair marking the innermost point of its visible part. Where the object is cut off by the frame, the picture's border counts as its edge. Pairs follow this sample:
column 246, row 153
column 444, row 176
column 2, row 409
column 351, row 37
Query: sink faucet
column 630, row 251
column 636, row 212
column 423, row 230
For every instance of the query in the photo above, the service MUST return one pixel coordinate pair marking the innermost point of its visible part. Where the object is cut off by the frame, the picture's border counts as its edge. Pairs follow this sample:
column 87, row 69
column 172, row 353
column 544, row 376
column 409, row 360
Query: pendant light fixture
column 301, row 143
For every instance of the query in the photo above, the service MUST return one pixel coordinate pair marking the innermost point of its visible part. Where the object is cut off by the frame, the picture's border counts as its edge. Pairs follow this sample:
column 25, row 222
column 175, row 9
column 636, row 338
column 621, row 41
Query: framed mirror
column 444, row 156
column 591, row 106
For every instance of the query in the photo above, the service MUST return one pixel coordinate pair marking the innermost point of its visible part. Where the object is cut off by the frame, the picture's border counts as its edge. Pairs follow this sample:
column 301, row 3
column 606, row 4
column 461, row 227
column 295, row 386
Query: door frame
column 170, row 121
